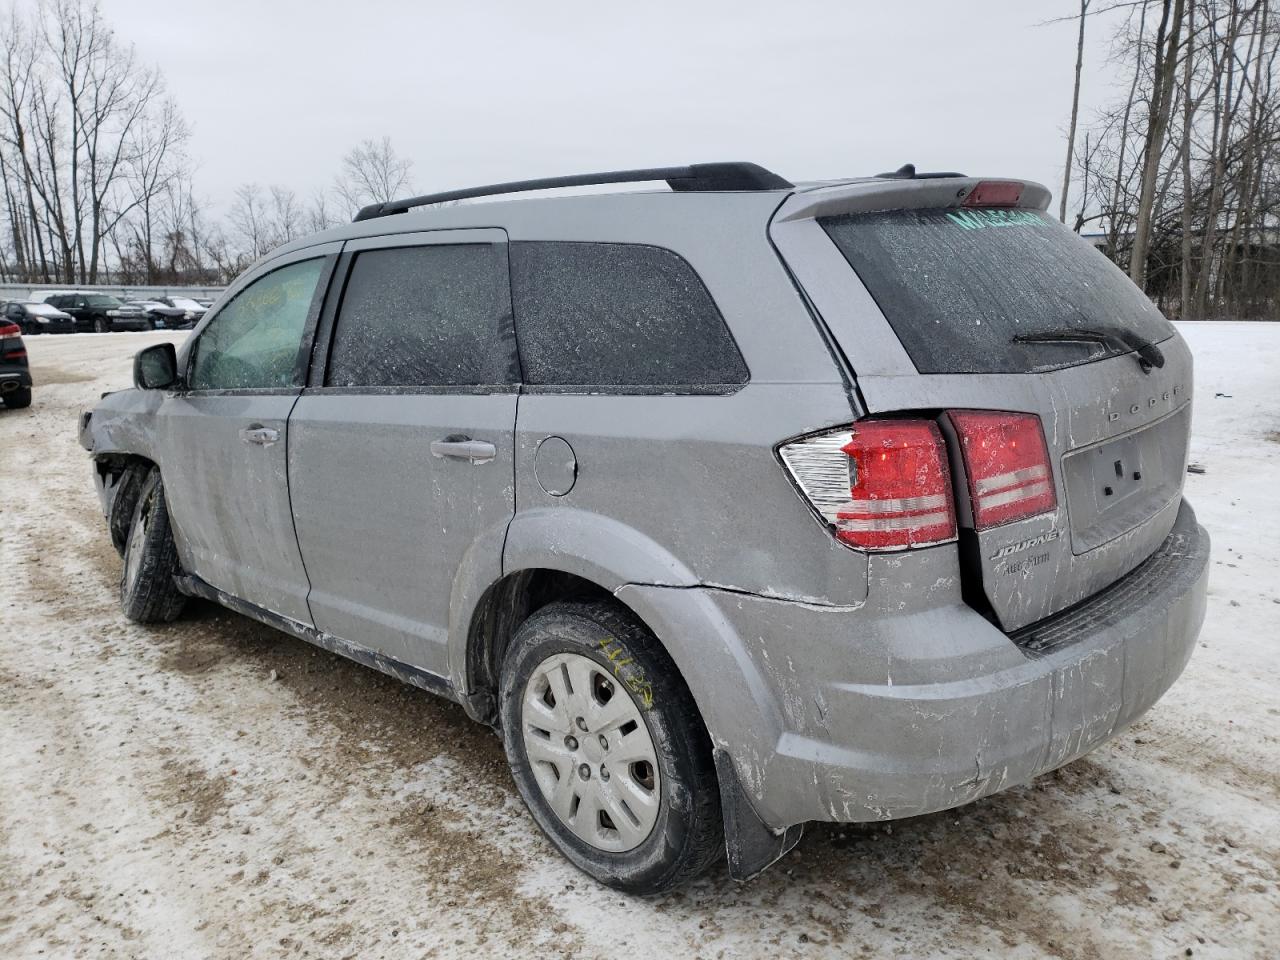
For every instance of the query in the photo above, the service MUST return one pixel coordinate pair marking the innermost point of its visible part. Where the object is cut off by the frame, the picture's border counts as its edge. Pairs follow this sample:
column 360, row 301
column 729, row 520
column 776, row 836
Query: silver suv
column 732, row 506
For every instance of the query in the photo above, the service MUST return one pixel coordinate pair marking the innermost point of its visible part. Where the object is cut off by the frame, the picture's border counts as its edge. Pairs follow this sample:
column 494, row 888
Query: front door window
column 254, row 340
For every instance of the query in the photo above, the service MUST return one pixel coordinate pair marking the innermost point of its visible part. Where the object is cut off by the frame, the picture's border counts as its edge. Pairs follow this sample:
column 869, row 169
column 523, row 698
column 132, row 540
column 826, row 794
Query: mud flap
column 750, row 845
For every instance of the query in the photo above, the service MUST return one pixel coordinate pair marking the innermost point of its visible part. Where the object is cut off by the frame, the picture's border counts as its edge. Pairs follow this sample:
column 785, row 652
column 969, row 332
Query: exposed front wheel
column 147, row 591
column 607, row 748
column 100, row 325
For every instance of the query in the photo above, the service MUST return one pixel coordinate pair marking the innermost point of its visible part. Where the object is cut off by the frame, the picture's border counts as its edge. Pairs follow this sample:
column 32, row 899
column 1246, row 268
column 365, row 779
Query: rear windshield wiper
column 1149, row 355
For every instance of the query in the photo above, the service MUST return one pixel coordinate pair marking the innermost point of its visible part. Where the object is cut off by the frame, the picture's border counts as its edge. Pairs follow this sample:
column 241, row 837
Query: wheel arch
column 120, row 476
column 738, row 715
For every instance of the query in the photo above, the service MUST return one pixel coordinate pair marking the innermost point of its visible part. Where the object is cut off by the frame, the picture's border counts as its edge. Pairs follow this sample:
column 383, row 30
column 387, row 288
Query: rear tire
column 147, row 591
column 589, row 771
column 18, row 399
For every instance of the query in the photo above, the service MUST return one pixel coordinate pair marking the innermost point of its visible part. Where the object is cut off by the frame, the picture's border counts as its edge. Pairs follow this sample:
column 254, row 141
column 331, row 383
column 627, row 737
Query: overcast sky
column 276, row 91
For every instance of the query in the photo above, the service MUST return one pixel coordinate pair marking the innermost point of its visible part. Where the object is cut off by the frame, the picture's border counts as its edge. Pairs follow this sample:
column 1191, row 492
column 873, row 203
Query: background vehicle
column 194, row 307
column 99, row 312
column 35, row 317
column 733, row 507
column 15, row 377
column 165, row 317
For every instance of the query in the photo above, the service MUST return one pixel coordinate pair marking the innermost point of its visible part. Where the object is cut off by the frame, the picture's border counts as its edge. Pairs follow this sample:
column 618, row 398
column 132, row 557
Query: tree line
column 96, row 175
column 1177, row 180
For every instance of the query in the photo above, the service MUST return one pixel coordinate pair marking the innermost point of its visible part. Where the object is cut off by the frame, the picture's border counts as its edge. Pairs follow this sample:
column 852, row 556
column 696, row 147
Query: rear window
column 969, row 291
column 620, row 315
column 428, row 316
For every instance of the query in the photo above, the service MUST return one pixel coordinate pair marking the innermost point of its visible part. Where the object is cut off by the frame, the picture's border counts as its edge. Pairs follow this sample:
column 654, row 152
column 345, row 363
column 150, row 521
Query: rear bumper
column 977, row 711
column 14, row 378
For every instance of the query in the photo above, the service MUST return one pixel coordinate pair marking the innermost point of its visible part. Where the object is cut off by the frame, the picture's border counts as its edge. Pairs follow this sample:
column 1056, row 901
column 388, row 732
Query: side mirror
column 155, row 367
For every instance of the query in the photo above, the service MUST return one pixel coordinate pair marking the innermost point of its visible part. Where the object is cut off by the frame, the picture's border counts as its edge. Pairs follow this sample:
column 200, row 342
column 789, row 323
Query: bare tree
column 1165, row 72
column 153, row 166
column 88, row 144
column 372, row 173
column 318, row 215
column 1199, row 225
column 251, row 220
column 1075, row 113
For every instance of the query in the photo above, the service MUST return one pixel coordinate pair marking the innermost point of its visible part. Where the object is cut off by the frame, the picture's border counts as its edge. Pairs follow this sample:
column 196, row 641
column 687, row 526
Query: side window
column 617, row 314
column 253, row 342
column 435, row 315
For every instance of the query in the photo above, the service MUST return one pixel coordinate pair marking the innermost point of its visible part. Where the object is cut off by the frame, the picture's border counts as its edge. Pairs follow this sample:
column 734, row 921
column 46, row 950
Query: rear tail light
column 886, row 484
column 881, row 484
column 9, row 331
column 1007, row 465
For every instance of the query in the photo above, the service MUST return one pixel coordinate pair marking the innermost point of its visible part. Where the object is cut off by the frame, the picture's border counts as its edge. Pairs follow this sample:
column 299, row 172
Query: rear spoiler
column 904, row 193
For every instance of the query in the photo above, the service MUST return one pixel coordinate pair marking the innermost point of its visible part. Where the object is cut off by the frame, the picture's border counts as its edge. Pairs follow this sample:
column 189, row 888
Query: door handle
column 257, row 433
column 464, row 448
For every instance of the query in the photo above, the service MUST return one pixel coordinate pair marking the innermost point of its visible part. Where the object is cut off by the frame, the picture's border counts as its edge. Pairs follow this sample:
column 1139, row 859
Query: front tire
column 607, row 747
column 100, row 325
column 147, row 591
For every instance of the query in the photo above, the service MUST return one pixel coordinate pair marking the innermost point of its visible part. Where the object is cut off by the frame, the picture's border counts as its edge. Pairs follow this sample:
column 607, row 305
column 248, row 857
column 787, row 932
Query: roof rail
column 697, row 176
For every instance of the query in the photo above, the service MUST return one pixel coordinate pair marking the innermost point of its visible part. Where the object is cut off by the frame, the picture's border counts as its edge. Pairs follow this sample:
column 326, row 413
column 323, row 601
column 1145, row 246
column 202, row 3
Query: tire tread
column 155, row 598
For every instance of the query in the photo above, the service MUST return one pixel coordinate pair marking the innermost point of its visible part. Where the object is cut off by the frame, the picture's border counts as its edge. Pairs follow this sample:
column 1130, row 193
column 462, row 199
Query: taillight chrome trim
column 819, row 467
column 898, row 523
column 1015, row 478
column 1012, row 495
column 901, row 505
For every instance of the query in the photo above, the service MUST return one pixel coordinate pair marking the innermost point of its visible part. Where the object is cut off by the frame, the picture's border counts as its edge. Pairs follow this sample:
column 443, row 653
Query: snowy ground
column 216, row 789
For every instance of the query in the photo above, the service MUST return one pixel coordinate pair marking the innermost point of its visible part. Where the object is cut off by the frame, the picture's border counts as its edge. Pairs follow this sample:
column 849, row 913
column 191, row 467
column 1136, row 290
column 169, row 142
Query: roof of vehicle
column 541, row 209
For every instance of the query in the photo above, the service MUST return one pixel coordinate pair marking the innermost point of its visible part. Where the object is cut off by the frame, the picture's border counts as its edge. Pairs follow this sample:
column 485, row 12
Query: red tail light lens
column 901, row 490
column 1007, row 463
column 9, row 330
column 882, row 484
column 994, row 193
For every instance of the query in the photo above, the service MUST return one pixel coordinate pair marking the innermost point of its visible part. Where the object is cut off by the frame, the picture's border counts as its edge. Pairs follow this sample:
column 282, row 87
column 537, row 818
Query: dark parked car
column 99, row 312
column 165, row 317
column 15, row 377
column 35, row 317
column 193, row 307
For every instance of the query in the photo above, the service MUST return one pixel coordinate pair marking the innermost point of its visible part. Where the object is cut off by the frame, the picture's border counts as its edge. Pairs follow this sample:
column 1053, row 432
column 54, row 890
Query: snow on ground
column 216, row 789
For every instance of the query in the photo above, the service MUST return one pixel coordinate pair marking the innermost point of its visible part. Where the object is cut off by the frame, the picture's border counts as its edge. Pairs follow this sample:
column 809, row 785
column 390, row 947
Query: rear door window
column 618, row 315
column 425, row 316
column 994, row 291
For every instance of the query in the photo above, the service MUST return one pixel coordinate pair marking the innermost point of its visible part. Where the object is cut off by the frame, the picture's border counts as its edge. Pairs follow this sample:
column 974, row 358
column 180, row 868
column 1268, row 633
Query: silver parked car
column 732, row 506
